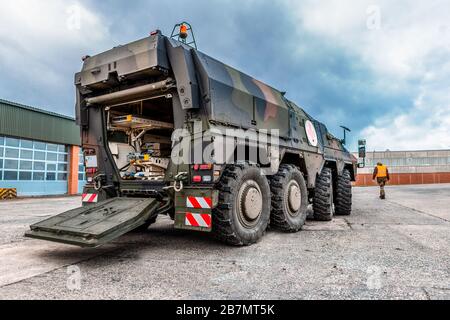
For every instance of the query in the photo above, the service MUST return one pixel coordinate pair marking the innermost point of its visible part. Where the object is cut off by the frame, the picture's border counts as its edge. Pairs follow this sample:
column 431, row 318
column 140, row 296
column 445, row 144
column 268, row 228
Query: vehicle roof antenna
column 182, row 31
column 344, row 141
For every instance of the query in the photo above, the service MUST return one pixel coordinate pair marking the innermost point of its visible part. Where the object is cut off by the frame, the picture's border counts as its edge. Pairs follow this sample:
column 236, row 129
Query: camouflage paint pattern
column 213, row 92
column 240, row 100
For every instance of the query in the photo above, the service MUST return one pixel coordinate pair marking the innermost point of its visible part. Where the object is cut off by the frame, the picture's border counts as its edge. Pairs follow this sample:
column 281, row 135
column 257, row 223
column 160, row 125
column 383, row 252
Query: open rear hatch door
column 95, row 225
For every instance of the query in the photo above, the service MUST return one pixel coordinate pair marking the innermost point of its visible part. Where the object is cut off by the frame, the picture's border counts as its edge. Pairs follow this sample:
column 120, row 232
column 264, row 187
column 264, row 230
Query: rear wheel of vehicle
column 243, row 213
column 323, row 203
column 289, row 199
column 343, row 202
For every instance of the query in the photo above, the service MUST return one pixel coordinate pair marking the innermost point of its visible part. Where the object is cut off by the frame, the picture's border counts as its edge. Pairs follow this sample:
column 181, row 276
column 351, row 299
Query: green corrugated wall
column 28, row 122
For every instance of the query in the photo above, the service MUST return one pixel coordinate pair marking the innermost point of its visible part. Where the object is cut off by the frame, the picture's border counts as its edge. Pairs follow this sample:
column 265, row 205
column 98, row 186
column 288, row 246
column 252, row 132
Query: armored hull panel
column 238, row 99
column 137, row 60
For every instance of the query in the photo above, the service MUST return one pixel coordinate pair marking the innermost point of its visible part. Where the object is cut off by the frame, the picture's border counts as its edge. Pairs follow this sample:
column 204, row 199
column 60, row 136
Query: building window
column 26, row 154
column 52, row 147
column 26, row 165
column 62, row 157
column 52, row 156
column 39, row 155
column 51, row 176
column 63, row 149
column 62, row 176
column 38, row 176
column 25, row 176
column 411, row 161
column 11, row 164
column 11, row 142
column 10, row 175
column 39, row 146
column 26, row 144
column 81, row 168
column 25, row 160
column 39, row 166
column 11, row 153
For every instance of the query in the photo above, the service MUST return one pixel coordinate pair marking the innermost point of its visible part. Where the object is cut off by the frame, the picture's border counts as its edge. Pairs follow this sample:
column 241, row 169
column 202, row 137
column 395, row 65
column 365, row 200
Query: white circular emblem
column 311, row 133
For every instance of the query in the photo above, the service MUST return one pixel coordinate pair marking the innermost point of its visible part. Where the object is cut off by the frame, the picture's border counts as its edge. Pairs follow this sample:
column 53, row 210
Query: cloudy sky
column 379, row 67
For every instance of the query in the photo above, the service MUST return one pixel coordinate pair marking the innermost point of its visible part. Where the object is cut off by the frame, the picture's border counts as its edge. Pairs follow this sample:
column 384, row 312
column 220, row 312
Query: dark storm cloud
column 259, row 38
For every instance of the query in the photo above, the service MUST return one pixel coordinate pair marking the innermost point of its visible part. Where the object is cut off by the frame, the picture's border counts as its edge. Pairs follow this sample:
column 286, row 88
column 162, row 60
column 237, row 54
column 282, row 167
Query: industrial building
column 408, row 167
column 39, row 152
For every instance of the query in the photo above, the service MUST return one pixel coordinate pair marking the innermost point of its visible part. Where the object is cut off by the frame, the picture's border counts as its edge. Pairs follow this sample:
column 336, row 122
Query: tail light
column 202, row 167
column 202, row 173
column 206, row 166
column 90, row 173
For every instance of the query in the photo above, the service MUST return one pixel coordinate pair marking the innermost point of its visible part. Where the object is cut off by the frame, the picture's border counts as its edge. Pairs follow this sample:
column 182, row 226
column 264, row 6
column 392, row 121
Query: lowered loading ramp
column 95, row 225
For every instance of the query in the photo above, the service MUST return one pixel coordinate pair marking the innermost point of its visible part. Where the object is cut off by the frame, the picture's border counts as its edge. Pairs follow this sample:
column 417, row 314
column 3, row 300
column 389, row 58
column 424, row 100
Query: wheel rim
column 293, row 198
column 250, row 203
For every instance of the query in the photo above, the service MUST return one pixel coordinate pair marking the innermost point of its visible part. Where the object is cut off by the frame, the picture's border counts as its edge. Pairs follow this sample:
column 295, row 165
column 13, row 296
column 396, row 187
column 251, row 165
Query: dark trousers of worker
column 382, row 182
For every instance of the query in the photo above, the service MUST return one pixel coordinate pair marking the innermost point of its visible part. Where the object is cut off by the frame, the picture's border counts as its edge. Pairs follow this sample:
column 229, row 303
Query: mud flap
column 193, row 209
column 97, row 224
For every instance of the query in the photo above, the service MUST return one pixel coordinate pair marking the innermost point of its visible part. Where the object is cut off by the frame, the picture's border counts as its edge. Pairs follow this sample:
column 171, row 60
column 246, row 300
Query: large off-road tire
column 289, row 199
column 323, row 202
column 243, row 213
column 343, row 201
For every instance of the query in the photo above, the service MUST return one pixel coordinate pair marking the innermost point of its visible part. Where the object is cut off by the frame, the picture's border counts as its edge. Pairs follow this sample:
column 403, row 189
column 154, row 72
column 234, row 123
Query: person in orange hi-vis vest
column 381, row 173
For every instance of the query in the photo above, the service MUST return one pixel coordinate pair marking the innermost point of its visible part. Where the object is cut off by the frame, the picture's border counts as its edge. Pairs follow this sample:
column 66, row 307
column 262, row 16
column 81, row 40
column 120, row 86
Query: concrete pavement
column 393, row 249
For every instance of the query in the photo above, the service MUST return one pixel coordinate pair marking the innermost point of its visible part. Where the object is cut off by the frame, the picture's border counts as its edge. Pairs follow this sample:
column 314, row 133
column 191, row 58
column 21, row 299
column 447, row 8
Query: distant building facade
column 408, row 167
column 39, row 152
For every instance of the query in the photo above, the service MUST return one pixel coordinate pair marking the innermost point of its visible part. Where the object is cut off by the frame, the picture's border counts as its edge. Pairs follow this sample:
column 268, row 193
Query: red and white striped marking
column 90, row 197
column 199, row 202
column 198, row 220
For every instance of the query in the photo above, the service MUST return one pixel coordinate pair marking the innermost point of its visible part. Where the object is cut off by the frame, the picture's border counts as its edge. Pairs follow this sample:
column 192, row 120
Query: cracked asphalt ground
column 393, row 249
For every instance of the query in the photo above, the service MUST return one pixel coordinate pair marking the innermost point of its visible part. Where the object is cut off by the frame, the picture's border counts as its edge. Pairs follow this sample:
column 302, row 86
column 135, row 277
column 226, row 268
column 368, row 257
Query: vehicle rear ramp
column 98, row 224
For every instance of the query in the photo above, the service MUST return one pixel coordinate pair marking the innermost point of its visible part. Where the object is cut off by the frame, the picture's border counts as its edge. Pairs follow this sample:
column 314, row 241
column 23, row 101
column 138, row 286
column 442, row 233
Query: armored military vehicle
column 150, row 111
